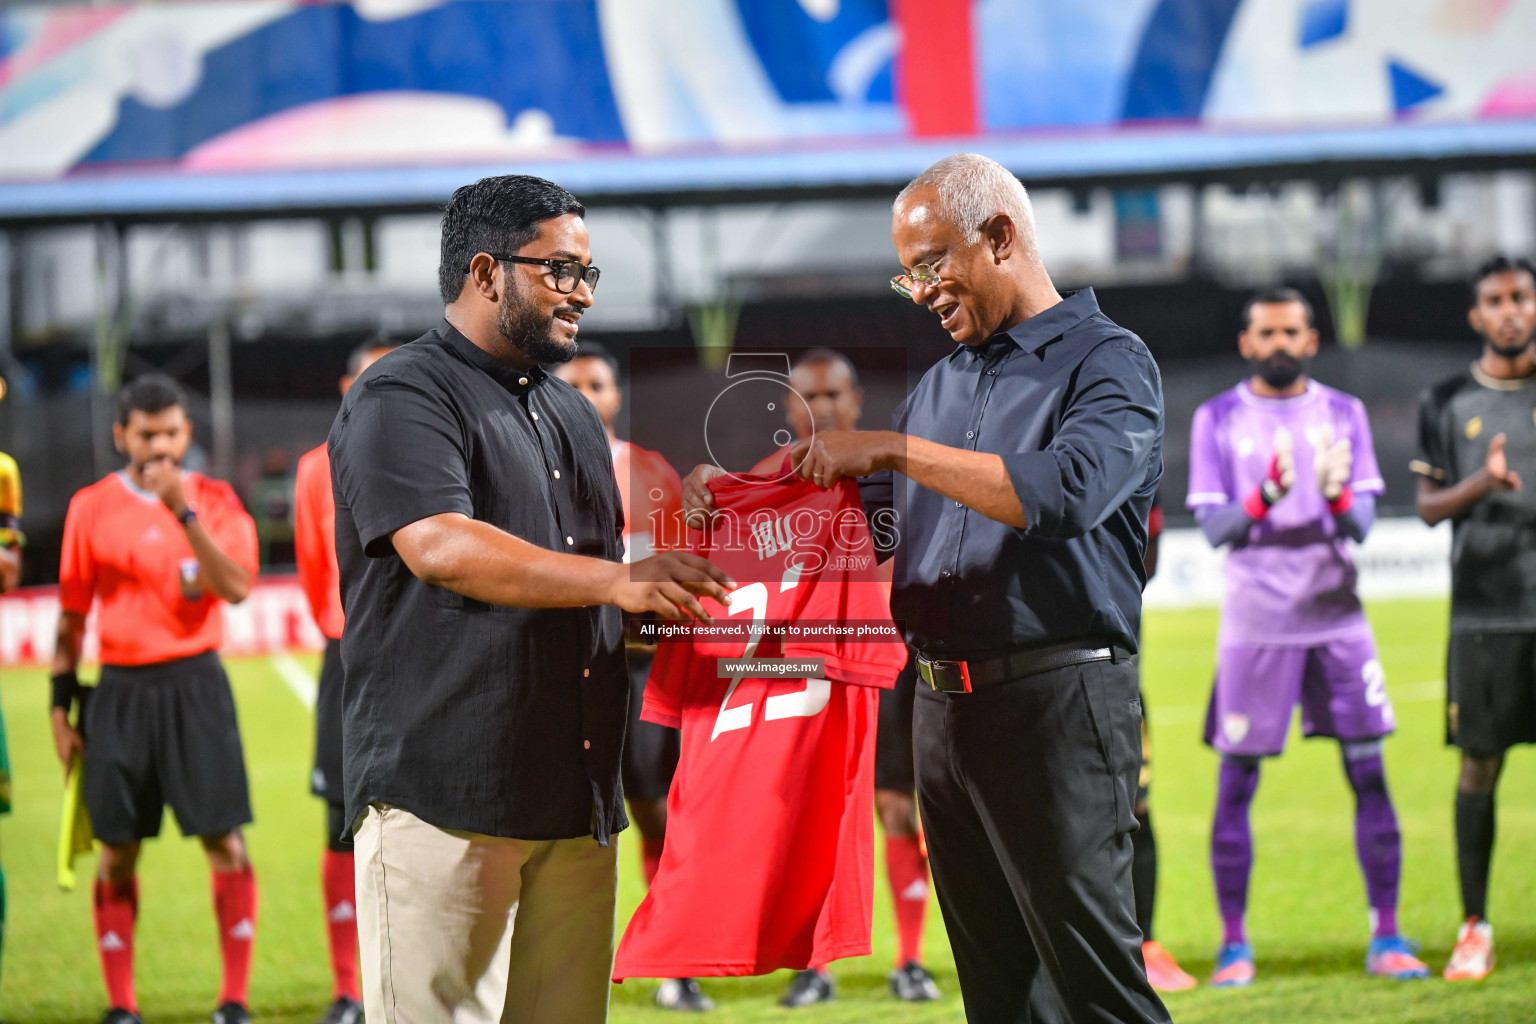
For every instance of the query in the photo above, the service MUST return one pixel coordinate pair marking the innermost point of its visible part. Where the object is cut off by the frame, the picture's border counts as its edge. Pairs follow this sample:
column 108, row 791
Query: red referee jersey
column 652, row 495
column 123, row 547
column 314, row 540
column 769, row 859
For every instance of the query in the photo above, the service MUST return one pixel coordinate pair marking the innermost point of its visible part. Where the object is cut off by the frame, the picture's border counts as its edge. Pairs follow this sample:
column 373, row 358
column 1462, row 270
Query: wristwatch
column 186, row 516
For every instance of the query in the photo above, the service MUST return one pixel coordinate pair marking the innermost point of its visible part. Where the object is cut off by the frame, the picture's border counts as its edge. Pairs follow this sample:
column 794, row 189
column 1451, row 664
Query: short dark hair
column 597, row 350
column 828, row 355
column 496, row 215
column 355, row 359
column 151, row 393
column 1500, row 264
column 1273, row 296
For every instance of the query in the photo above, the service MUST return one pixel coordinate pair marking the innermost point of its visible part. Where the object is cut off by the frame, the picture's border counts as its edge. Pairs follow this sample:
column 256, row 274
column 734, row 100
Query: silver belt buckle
column 945, row 676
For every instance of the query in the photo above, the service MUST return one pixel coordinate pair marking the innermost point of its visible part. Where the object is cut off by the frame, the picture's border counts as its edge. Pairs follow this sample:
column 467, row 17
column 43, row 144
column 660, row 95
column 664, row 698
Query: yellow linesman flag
column 75, row 835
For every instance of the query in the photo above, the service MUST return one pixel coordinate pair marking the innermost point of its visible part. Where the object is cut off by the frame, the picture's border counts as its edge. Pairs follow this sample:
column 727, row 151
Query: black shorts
column 650, row 750
column 1491, row 699
column 325, row 777
column 338, row 834
column 893, row 738
column 164, row 734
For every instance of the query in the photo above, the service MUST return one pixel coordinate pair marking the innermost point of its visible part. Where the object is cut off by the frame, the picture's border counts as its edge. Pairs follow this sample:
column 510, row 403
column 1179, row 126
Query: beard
column 1280, row 370
column 532, row 332
column 1511, row 351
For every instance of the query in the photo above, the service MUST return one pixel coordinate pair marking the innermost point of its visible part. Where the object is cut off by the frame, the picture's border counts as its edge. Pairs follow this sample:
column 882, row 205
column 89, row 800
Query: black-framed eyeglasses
column 567, row 272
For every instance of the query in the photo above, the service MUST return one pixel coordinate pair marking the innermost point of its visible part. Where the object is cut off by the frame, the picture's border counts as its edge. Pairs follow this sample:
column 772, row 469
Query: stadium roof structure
column 1124, row 157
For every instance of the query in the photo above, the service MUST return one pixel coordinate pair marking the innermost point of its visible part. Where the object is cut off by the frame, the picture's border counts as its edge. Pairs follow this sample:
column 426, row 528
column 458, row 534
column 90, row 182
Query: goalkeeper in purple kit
column 1282, row 473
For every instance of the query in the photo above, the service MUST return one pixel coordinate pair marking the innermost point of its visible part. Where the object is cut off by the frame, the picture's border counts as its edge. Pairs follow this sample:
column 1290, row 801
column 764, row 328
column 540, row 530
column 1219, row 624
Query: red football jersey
column 652, row 495
column 125, row 548
column 314, row 540
column 769, row 859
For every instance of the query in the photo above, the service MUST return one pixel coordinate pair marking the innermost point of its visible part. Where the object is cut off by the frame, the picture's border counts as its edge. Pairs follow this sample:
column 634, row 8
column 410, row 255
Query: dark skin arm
column 481, row 562
column 10, row 569
column 227, row 578
column 1437, row 502
column 66, row 658
column 978, row 480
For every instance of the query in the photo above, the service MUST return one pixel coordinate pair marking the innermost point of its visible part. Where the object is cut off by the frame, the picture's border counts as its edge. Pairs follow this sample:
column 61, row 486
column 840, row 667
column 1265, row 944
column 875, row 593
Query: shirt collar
column 1048, row 325
column 515, row 380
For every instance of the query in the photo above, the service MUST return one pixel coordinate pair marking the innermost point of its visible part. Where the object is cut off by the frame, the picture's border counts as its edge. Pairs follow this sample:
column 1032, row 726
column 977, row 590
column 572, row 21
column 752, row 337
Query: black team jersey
column 1493, row 554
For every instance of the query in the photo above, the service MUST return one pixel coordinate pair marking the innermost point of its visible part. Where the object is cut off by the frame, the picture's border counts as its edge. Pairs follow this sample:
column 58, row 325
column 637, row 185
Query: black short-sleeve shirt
column 1493, row 552
column 501, row 721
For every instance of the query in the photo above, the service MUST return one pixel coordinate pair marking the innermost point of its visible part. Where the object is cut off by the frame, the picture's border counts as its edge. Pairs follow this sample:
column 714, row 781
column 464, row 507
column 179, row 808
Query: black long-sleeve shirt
column 1073, row 404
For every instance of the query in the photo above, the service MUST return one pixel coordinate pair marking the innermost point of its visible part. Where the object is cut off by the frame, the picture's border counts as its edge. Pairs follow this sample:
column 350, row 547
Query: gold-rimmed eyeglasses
column 925, row 274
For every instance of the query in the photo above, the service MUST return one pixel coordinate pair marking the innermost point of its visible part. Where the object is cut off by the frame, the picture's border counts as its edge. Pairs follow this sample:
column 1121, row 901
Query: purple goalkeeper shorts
column 1339, row 684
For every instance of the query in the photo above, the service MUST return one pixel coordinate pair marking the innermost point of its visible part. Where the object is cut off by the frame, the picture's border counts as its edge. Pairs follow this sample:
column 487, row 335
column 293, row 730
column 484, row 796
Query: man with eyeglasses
column 478, row 534
column 1022, row 470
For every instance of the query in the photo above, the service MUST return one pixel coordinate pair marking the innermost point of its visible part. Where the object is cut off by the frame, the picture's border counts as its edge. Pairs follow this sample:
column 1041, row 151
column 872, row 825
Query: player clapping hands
column 1332, row 463
column 1277, row 483
column 1499, row 474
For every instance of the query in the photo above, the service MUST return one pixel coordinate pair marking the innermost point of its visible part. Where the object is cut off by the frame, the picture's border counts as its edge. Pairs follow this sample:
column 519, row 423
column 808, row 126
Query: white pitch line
column 298, row 679
column 1407, row 693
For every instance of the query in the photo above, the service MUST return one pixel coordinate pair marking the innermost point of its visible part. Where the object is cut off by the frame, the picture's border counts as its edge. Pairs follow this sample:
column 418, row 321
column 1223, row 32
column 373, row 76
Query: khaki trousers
column 461, row 928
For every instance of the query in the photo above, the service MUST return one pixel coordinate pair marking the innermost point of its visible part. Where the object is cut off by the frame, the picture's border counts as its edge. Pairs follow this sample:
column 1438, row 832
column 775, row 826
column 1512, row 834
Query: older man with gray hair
column 1021, row 470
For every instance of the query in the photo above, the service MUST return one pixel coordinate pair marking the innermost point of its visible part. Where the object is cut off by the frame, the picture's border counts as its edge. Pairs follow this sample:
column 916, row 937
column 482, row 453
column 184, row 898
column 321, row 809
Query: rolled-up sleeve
column 400, row 457
column 1101, row 453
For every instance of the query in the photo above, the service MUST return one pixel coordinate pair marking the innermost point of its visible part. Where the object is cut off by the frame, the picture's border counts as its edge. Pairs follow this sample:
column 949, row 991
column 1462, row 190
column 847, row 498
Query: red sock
column 341, row 923
column 234, row 904
column 650, row 858
column 906, row 865
column 116, row 908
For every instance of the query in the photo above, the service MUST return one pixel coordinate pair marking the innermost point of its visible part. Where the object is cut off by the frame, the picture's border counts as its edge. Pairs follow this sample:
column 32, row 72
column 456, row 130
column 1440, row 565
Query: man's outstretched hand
column 671, row 584
column 831, row 455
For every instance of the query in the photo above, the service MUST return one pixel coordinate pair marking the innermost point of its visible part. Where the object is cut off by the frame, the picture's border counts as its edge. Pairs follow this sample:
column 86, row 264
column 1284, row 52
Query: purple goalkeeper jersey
column 1292, row 581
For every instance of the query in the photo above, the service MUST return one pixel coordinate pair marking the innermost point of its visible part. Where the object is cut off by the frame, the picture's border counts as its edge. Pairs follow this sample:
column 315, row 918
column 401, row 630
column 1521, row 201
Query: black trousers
column 1027, row 793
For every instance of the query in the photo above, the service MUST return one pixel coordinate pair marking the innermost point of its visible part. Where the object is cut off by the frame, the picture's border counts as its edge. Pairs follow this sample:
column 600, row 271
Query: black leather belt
column 965, row 676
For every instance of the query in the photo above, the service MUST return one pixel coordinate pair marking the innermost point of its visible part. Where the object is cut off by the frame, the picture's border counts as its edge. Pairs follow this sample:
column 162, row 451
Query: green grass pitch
column 1307, row 912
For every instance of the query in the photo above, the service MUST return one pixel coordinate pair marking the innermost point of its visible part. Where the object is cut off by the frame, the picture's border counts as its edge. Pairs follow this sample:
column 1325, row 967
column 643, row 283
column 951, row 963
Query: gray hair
column 972, row 189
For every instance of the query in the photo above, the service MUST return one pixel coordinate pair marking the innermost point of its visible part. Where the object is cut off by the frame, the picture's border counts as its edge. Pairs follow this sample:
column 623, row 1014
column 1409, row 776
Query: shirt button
column 991, row 373
column 970, row 433
column 569, row 541
column 535, row 417
column 557, row 474
column 586, row 744
column 959, row 504
column 585, row 673
column 522, row 380
column 946, row 572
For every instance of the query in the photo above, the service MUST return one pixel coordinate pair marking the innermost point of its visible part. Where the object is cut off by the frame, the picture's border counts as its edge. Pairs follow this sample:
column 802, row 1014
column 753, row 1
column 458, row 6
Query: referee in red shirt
column 160, row 548
column 314, row 545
